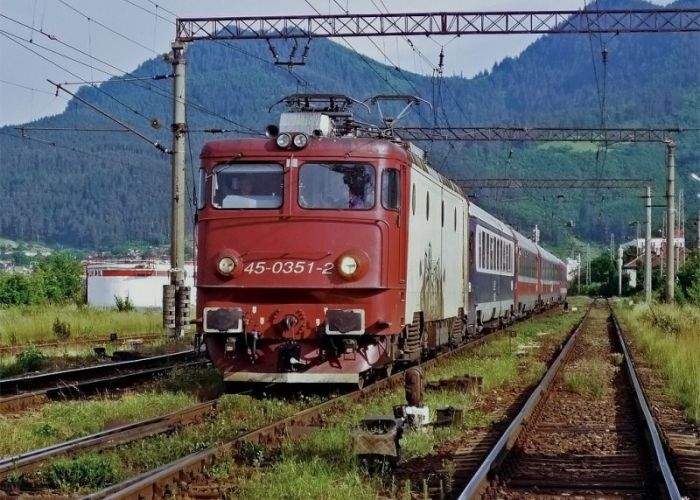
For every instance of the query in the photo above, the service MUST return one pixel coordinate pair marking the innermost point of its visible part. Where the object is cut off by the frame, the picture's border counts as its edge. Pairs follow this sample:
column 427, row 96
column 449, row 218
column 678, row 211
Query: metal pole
column 619, row 271
column 647, row 246
column 177, row 226
column 670, row 220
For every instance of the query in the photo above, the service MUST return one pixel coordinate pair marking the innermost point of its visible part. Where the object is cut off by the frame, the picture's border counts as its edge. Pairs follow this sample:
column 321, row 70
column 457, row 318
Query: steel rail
column 16, row 384
column 155, row 483
column 507, row 439
column 31, row 460
column 79, row 341
column 18, row 402
column 517, row 425
column 652, row 432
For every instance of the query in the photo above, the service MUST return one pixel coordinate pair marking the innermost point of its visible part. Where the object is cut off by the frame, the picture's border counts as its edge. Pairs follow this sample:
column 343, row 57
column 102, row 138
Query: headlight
column 226, row 265
column 347, row 266
column 284, row 140
column 300, row 141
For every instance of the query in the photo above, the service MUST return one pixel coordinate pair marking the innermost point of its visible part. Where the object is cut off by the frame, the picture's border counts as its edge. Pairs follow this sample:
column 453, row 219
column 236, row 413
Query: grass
column 587, row 377
column 61, row 421
column 31, row 358
column 669, row 339
column 27, row 324
column 322, row 464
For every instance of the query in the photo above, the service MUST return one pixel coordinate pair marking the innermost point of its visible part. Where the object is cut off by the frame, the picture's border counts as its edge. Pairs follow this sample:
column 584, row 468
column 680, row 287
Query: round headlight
column 347, row 265
column 226, row 265
column 300, row 141
column 284, row 140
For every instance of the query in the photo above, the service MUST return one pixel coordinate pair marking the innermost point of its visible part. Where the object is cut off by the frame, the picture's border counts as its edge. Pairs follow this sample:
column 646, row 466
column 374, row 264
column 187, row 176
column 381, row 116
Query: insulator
column 169, row 306
column 182, row 305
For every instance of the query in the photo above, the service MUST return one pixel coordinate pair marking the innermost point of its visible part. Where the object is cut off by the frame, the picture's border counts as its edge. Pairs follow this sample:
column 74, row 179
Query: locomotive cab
column 299, row 245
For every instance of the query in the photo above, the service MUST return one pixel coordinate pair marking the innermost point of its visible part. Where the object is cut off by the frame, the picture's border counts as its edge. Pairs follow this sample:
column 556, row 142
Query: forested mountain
column 97, row 190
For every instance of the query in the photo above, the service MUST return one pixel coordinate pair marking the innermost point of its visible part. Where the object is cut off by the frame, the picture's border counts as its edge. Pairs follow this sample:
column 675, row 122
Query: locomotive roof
column 346, row 147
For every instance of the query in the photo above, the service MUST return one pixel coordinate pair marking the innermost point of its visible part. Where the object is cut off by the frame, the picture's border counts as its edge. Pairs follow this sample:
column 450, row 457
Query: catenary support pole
column 619, row 271
column 670, row 220
column 647, row 246
column 178, row 200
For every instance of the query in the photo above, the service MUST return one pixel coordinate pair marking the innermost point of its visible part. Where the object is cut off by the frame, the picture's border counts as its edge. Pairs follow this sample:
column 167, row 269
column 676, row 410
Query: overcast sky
column 18, row 66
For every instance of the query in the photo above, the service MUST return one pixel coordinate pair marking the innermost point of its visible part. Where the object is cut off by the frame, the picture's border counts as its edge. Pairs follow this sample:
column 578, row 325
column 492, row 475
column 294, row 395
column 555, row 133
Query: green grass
column 61, row 421
column 669, row 339
column 322, row 464
column 588, row 377
column 25, row 324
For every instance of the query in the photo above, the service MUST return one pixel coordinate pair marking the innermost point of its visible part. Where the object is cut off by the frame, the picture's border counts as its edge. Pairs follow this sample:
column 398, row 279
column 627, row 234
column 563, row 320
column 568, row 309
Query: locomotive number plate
column 288, row 267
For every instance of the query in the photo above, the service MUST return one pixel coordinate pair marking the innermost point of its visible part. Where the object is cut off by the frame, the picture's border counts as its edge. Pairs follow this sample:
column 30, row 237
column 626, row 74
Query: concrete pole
column 579, row 273
column 619, row 271
column 647, row 246
column 670, row 220
column 178, row 201
column 698, row 224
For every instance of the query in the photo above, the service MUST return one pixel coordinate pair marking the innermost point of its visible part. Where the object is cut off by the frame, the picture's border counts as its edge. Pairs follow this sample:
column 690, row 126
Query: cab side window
column 391, row 189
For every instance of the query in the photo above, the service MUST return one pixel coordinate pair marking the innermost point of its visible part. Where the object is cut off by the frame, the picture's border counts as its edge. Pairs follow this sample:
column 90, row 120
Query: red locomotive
column 325, row 256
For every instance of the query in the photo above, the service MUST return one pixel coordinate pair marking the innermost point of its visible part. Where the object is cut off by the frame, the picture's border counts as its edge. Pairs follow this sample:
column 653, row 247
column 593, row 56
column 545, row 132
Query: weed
column 61, row 330
column 587, row 377
column 30, row 359
column 26, row 324
column 91, row 470
column 669, row 339
column 123, row 304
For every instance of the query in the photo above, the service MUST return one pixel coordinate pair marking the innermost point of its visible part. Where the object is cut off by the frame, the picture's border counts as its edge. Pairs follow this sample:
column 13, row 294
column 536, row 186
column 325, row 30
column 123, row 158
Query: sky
column 124, row 33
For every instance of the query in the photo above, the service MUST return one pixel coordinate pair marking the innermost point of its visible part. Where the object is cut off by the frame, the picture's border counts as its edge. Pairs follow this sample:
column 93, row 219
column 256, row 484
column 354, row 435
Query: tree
column 689, row 280
column 61, row 276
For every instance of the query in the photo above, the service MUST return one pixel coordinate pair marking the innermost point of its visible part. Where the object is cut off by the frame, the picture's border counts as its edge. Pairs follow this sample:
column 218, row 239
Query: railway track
column 6, row 350
column 186, row 476
column 603, row 443
column 22, row 392
column 32, row 460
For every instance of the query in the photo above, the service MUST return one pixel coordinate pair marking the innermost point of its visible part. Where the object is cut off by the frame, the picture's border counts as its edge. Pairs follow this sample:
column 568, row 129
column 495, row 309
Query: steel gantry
column 503, row 183
column 544, row 134
column 658, row 20
column 439, row 23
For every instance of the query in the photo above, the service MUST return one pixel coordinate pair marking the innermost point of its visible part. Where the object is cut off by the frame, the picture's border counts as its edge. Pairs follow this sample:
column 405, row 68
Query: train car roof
column 550, row 256
column 482, row 214
column 526, row 243
column 346, row 147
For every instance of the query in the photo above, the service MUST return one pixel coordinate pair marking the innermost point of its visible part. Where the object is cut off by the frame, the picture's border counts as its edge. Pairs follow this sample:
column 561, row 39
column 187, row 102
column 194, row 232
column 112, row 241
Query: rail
column 159, row 481
column 500, row 450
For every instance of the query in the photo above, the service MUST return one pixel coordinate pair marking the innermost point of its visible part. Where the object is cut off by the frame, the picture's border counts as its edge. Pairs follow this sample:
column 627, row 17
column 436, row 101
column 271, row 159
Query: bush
column 61, row 330
column 61, row 277
column 123, row 304
column 56, row 279
column 688, row 290
column 31, row 359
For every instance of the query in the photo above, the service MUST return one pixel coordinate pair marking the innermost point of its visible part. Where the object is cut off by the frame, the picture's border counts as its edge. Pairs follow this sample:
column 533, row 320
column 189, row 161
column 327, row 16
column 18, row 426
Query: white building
column 141, row 281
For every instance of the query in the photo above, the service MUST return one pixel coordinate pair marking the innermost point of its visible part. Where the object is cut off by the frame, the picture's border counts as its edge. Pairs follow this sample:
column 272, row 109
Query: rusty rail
column 36, row 381
column 167, row 479
column 31, row 460
column 79, row 341
column 500, row 450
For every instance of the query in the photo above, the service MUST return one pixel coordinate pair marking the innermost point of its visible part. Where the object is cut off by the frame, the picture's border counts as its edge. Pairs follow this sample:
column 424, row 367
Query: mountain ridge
column 92, row 201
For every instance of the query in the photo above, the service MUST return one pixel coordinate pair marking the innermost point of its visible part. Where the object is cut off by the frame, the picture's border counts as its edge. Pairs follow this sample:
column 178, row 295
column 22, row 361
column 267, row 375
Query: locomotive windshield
column 247, row 185
column 348, row 186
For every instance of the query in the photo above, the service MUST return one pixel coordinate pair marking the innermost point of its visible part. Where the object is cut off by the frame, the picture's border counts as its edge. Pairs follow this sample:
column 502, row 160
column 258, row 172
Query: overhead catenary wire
column 155, row 90
column 143, row 137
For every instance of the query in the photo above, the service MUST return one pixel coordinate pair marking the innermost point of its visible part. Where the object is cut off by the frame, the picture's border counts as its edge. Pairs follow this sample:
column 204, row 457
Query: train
column 329, row 253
